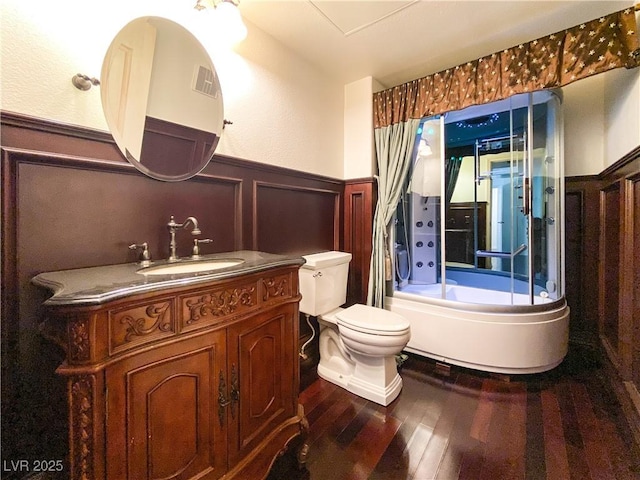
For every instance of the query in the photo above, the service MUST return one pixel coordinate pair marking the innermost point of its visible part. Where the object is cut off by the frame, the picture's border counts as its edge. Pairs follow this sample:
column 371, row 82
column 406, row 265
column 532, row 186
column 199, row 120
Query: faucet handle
column 145, row 256
column 196, row 246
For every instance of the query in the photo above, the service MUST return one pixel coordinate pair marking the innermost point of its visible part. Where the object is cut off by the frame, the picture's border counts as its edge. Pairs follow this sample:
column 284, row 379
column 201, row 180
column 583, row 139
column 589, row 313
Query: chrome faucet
column 173, row 226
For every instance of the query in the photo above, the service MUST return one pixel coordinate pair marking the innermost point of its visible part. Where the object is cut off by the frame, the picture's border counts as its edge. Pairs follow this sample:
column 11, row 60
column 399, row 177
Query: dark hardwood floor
column 563, row 424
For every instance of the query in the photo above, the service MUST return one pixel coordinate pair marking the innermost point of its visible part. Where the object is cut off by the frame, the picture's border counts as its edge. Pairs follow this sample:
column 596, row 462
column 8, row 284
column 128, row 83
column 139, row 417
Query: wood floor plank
column 484, row 412
column 555, row 450
column 562, row 424
column 336, row 406
column 317, row 391
column 574, row 443
column 439, row 441
column 464, row 457
column 624, row 454
column 625, row 461
column 370, row 443
column 623, row 451
column 408, row 409
column 437, row 391
column 595, row 452
column 326, row 455
column 504, row 448
column 350, row 432
column 535, row 467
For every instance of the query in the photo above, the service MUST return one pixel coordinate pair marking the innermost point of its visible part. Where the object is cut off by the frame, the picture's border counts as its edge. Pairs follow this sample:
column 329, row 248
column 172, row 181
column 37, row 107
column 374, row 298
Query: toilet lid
column 365, row 318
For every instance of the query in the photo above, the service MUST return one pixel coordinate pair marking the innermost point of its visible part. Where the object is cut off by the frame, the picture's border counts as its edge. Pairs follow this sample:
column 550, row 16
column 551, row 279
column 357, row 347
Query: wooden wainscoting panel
column 635, row 281
column 574, row 247
column 289, row 218
column 619, row 280
column 359, row 202
column 582, row 255
column 171, row 149
column 609, row 270
column 631, row 278
column 71, row 200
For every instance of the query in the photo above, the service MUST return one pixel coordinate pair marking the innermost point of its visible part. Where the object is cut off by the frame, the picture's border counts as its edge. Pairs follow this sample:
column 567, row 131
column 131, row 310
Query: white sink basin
column 191, row 267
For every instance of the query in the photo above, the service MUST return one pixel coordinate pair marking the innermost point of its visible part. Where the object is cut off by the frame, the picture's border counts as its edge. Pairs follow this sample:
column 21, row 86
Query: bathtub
column 481, row 329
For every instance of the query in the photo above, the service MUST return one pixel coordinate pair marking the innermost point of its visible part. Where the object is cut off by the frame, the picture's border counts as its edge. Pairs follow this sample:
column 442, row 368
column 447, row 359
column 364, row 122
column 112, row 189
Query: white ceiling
column 395, row 41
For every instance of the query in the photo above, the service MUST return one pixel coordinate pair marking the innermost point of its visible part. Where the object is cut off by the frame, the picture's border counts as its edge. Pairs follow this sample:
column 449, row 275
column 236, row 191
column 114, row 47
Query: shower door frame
column 554, row 243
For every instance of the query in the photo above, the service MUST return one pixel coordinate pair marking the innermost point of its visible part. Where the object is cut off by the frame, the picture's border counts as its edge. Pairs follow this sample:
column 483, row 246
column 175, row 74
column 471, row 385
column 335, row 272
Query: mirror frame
column 161, row 98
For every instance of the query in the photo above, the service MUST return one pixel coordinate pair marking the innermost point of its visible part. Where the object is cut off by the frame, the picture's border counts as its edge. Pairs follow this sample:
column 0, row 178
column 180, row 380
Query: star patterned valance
column 553, row 61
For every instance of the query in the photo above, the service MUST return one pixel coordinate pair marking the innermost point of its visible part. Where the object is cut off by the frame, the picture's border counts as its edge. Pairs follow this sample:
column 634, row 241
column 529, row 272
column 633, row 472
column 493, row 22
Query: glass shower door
column 501, row 168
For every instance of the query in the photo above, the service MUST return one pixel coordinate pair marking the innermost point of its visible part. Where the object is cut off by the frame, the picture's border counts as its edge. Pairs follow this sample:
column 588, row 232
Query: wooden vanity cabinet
column 193, row 382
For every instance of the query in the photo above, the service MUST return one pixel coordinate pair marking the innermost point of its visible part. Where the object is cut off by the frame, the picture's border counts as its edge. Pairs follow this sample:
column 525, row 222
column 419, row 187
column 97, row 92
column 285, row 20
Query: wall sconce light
column 228, row 19
column 84, row 82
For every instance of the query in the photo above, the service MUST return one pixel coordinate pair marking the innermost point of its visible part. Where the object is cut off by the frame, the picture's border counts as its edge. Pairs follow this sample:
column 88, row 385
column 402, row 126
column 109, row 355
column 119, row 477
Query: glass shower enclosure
column 483, row 205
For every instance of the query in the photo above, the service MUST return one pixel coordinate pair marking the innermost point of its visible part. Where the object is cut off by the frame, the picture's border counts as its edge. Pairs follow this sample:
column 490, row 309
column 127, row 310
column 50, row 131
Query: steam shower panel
column 424, row 245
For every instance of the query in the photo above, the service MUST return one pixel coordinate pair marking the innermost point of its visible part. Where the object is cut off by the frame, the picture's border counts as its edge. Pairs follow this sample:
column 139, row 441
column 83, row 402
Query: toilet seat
column 372, row 320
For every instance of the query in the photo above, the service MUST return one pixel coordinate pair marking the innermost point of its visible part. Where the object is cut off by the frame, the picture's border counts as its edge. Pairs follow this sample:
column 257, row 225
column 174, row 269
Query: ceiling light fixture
column 229, row 24
column 424, row 149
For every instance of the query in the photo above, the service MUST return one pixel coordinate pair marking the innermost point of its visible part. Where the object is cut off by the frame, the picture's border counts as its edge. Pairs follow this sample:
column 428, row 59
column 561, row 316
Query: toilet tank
column 323, row 282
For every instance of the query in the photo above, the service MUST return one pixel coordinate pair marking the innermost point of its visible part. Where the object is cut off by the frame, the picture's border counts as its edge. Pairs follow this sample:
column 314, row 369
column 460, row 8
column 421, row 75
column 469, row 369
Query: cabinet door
column 163, row 418
column 262, row 350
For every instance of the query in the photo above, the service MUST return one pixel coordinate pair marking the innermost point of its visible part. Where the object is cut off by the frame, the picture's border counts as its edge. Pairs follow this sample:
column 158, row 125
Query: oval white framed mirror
column 162, row 99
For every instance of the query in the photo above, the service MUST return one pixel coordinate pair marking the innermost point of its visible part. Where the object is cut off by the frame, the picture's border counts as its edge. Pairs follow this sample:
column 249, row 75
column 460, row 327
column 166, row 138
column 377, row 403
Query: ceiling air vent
column 204, row 81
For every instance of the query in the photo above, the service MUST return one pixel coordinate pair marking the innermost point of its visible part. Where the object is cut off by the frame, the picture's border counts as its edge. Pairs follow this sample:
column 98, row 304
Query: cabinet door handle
column 222, row 398
column 235, row 392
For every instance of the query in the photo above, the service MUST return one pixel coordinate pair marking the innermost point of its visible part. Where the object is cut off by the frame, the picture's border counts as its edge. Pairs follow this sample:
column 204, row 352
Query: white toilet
column 358, row 344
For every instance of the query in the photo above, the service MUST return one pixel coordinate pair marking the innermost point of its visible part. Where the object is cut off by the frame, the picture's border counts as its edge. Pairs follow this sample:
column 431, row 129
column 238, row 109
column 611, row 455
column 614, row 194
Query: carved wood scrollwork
column 275, row 287
column 157, row 313
column 82, row 394
column 220, row 303
column 79, row 341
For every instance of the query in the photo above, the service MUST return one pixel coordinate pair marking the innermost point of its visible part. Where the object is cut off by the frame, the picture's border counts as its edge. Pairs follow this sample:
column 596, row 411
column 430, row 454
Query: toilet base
column 375, row 379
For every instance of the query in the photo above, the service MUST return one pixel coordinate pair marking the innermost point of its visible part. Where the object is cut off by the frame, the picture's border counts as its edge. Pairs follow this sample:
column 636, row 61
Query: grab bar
column 490, row 253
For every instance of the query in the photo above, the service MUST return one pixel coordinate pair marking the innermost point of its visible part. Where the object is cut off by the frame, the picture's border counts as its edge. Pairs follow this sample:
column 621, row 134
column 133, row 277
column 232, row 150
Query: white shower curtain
column 394, row 151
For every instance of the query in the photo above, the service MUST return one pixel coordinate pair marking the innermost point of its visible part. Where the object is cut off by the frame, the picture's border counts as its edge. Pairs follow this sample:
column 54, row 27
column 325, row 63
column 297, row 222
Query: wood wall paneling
column 574, row 280
column 634, row 286
column 582, row 255
column 619, row 279
column 610, row 269
column 169, row 149
column 70, row 200
column 290, row 218
column 358, row 234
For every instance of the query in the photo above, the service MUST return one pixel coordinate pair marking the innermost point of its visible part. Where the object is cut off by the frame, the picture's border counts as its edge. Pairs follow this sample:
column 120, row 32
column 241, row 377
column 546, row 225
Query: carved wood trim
column 82, row 394
column 218, row 303
column 276, row 287
column 137, row 324
column 79, row 341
